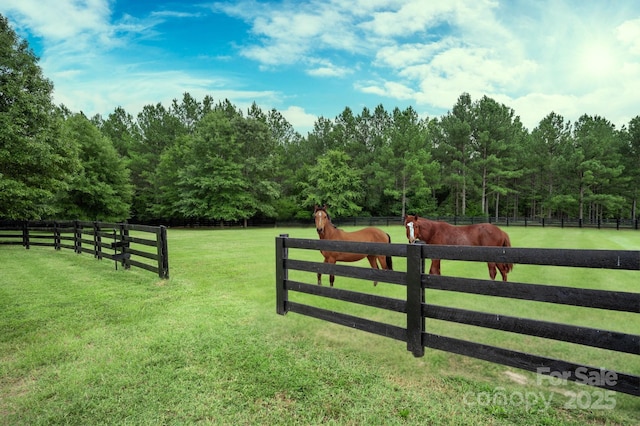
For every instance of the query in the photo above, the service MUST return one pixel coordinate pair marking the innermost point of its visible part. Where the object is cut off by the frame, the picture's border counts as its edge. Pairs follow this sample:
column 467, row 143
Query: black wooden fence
column 416, row 334
column 500, row 221
column 130, row 245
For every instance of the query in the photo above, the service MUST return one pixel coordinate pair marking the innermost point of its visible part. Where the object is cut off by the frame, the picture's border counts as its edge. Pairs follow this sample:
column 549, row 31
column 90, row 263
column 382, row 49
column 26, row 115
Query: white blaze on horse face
column 412, row 236
column 319, row 221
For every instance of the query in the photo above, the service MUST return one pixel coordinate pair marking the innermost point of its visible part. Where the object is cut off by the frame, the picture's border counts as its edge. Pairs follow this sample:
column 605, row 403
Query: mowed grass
column 82, row 343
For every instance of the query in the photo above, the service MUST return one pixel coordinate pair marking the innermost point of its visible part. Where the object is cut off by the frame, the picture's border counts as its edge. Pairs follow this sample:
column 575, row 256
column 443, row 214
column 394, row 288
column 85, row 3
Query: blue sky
column 313, row 58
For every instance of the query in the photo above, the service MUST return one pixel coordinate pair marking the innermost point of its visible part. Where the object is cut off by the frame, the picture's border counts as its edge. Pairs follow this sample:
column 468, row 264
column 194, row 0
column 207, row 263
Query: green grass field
column 82, row 343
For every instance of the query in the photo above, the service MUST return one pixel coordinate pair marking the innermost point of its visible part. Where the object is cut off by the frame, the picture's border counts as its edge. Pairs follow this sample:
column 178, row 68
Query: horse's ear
column 324, row 207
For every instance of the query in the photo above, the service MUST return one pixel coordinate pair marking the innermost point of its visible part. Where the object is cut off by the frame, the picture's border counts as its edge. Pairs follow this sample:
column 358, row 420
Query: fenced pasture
column 130, row 245
column 83, row 343
column 415, row 310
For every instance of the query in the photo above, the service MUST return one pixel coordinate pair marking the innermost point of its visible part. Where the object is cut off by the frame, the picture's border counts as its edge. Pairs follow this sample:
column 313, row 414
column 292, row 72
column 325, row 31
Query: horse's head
column 321, row 217
column 412, row 227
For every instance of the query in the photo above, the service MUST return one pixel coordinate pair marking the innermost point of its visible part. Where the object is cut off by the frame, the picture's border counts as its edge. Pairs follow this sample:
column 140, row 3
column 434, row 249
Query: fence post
column 415, row 299
column 282, row 296
column 56, row 236
column 77, row 237
column 97, row 241
column 163, row 253
column 25, row 234
column 124, row 239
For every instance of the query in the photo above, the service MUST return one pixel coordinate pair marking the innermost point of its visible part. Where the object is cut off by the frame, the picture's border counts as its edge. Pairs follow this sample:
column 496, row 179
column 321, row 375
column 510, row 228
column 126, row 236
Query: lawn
column 83, row 343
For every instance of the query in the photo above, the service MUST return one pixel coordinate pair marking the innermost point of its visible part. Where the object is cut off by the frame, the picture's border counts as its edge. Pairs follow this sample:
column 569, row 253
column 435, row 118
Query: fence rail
column 130, row 245
column 397, row 220
column 417, row 311
column 501, row 221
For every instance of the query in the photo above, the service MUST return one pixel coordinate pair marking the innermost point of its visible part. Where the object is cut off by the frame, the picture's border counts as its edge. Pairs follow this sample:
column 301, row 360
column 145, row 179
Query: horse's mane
column 329, row 219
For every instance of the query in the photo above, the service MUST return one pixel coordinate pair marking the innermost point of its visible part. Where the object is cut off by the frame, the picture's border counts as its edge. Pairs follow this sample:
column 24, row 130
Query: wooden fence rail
column 620, row 224
column 130, row 245
column 417, row 311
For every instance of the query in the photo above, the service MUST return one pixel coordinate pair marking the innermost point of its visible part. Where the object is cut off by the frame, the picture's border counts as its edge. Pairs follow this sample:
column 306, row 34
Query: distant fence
column 416, row 334
column 397, row 220
column 500, row 221
column 140, row 246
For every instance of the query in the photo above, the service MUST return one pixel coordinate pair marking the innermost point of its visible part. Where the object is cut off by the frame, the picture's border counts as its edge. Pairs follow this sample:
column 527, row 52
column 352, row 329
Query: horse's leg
column 331, row 277
column 492, row 270
column 435, row 267
column 320, row 275
column 373, row 261
column 504, row 270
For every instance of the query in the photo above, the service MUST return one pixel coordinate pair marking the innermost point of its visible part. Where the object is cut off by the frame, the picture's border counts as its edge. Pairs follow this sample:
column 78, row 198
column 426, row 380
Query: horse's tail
column 506, row 242
column 389, row 260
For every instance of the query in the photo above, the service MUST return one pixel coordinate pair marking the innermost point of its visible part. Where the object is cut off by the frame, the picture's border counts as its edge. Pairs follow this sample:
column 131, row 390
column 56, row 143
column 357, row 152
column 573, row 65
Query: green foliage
column 596, row 162
column 630, row 151
column 452, row 137
column 123, row 131
column 101, row 189
column 410, row 163
column 210, row 182
column 334, row 182
column 35, row 160
column 259, row 161
column 159, row 130
column 222, row 170
column 549, row 170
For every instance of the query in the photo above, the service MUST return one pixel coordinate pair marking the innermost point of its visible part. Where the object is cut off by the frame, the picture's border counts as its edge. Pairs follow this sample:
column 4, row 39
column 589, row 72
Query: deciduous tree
column 101, row 189
column 35, row 161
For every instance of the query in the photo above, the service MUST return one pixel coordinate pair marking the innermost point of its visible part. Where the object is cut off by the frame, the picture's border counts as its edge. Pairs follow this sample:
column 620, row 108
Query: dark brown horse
column 481, row 234
column 327, row 231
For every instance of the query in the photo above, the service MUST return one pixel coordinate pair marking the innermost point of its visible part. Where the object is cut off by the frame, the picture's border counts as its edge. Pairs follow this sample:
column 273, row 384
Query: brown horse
column 481, row 234
column 327, row 231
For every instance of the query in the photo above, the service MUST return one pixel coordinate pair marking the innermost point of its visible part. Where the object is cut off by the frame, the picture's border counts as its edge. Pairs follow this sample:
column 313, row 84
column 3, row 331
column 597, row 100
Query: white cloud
column 134, row 90
column 299, row 118
column 62, row 19
column 389, row 89
column 401, row 56
column 328, row 71
column 629, row 33
column 411, row 17
column 325, row 68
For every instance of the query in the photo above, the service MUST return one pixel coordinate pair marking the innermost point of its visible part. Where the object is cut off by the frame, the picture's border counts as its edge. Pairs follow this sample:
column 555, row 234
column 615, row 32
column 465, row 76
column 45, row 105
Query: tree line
column 210, row 159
